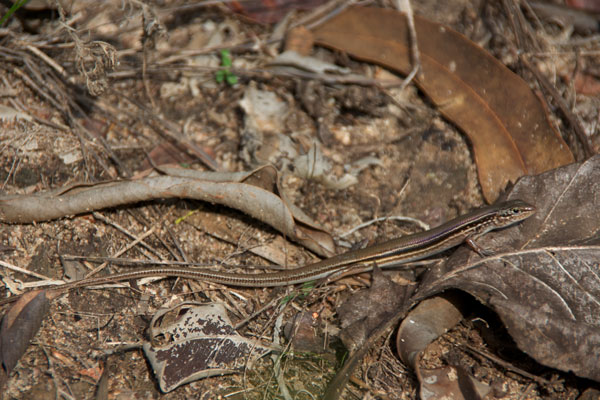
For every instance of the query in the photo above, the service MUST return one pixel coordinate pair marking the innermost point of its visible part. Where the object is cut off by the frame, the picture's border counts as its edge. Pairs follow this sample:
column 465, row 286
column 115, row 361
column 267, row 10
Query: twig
column 15, row 164
column 415, row 221
column 170, row 130
column 102, row 218
column 126, row 248
column 24, row 271
column 48, row 60
column 331, row 8
column 506, row 365
column 250, row 317
column 404, row 5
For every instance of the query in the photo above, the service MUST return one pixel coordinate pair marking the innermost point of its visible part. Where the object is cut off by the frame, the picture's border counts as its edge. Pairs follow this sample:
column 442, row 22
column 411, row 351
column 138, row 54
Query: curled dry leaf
column 254, row 193
column 504, row 120
column 543, row 279
column 191, row 341
column 430, row 319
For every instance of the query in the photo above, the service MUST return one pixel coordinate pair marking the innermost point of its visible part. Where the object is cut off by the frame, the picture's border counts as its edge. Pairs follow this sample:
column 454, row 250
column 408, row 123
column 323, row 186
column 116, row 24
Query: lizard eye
column 514, row 210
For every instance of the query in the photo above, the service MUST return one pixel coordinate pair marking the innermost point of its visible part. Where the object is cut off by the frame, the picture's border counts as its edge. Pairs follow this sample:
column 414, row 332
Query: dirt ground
column 122, row 81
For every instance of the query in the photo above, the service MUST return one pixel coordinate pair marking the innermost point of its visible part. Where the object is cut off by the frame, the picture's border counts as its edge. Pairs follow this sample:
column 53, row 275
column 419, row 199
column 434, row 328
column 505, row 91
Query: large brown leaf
column 504, row 120
column 543, row 279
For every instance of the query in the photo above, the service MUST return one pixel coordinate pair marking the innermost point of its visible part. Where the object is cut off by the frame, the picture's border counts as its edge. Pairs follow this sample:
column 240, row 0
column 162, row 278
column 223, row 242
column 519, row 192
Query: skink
column 387, row 254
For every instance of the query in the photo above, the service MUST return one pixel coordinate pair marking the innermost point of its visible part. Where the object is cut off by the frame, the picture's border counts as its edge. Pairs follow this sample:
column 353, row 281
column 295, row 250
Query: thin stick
column 404, row 5
column 24, row 271
column 129, row 246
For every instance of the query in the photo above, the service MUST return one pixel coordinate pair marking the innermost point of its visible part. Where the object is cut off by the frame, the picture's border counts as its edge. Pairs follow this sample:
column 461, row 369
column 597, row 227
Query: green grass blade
column 16, row 5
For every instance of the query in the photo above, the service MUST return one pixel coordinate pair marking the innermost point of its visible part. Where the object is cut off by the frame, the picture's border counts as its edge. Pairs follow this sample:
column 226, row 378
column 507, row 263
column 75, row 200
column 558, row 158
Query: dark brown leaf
column 304, row 333
column 506, row 123
column 366, row 311
column 19, row 326
column 543, row 279
column 341, row 378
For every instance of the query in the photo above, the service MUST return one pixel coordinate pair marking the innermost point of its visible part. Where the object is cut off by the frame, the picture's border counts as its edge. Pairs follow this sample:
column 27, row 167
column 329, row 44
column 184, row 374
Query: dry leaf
column 430, row 319
column 504, row 120
column 19, row 325
column 543, row 279
column 197, row 341
column 364, row 312
column 254, row 193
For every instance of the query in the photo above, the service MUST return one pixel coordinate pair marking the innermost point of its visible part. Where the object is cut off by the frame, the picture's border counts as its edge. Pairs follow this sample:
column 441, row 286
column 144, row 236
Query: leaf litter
column 82, row 235
column 544, row 283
